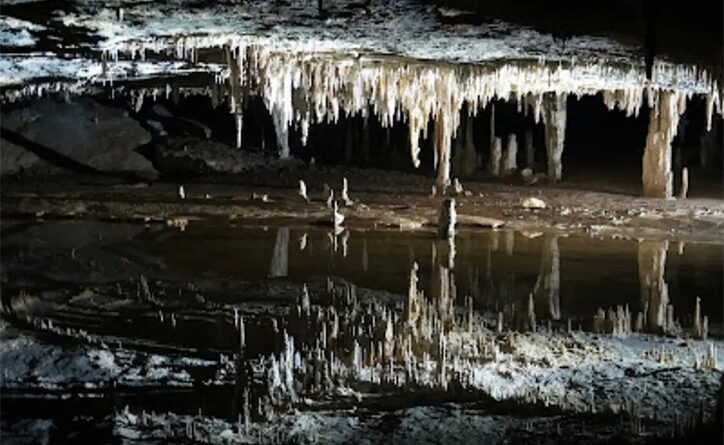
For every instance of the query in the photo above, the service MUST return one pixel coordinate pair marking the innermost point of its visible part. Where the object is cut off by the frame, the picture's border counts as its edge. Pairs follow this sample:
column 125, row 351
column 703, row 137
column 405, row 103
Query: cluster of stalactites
column 302, row 88
column 301, row 85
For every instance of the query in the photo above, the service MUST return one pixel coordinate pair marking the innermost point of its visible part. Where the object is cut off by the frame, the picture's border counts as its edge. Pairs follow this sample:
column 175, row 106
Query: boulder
column 192, row 156
column 79, row 133
column 15, row 159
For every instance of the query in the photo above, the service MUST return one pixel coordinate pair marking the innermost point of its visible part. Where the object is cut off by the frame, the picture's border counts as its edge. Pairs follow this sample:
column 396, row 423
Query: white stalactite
column 301, row 85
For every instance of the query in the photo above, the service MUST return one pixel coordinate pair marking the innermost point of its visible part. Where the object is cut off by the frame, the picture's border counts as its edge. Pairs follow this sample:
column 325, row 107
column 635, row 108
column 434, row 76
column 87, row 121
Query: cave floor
column 381, row 199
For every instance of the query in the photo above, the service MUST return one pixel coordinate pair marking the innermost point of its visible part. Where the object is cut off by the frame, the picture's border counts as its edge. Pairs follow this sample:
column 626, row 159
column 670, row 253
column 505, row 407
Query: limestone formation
column 555, row 129
column 663, row 123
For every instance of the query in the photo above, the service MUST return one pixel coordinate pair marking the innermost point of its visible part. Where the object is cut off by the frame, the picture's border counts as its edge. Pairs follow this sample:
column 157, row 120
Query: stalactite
column 300, row 85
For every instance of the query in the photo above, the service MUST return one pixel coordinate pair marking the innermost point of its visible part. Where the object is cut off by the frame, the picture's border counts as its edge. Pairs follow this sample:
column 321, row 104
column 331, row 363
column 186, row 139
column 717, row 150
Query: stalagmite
column 303, row 190
column 496, row 153
column 510, row 163
column 555, row 131
column 337, row 217
column 529, row 150
column 654, row 290
column 663, row 124
column 345, row 193
column 280, row 258
column 547, row 286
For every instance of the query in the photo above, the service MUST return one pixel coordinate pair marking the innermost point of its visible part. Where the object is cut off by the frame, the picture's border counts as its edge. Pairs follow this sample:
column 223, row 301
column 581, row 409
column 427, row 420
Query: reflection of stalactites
column 365, row 259
column 280, row 258
column 509, row 241
column 412, row 308
column 443, row 291
column 547, row 286
column 654, row 290
column 451, row 252
column 345, row 243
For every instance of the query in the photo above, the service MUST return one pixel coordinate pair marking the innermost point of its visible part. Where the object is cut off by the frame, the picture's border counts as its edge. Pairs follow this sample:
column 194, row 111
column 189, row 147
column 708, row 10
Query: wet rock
column 191, row 156
column 78, row 135
column 533, row 203
column 14, row 159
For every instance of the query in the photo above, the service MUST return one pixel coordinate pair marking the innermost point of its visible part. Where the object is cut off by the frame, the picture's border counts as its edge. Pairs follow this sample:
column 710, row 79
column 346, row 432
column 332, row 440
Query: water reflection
column 547, row 286
column 654, row 290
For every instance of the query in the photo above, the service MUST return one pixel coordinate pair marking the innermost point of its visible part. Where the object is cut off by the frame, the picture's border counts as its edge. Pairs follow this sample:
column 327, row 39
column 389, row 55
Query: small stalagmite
column 337, row 217
column 345, row 193
column 303, row 190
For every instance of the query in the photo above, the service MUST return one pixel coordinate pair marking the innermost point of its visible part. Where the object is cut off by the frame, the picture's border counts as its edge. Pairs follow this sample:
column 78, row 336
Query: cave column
column 663, row 123
column 442, row 145
column 555, row 132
